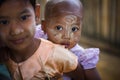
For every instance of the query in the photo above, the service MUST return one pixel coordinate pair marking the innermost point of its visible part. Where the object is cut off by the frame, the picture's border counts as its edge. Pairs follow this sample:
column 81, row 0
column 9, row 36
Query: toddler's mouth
column 66, row 44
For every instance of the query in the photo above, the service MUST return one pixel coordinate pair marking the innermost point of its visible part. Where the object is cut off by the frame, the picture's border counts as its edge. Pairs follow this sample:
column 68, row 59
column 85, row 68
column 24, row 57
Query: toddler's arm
column 88, row 58
column 77, row 74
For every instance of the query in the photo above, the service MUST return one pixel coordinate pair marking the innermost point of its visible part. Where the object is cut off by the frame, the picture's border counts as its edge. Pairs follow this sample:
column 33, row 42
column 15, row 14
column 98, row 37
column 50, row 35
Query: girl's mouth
column 18, row 41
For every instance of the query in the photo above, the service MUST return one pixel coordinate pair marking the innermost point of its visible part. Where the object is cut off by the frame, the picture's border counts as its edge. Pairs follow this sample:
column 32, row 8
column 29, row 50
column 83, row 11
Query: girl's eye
column 59, row 28
column 24, row 17
column 4, row 22
column 75, row 29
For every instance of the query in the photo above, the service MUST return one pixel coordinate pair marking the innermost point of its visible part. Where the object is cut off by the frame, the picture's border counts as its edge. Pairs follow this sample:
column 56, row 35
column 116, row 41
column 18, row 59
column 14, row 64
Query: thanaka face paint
column 64, row 30
column 69, row 20
column 63, row 21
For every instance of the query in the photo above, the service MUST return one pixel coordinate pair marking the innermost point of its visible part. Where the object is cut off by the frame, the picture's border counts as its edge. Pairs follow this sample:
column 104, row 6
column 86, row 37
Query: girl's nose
column 16, row 29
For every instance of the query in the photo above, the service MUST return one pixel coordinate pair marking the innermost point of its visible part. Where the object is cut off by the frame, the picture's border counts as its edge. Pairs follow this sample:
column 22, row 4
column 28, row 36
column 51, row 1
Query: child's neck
column 20, row 56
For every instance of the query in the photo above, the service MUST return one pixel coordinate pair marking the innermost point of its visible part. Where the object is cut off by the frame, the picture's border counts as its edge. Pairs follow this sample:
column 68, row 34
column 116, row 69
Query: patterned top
column 47, row 61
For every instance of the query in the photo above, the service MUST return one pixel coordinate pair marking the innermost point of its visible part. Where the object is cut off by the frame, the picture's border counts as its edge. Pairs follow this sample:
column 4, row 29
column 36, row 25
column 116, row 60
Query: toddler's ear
column 43, row 26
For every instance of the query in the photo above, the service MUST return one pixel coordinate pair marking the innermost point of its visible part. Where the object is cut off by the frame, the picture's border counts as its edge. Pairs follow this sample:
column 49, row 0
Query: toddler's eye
column 4, row 22
column 75, row 29
column 24, row 17
column 59, row 28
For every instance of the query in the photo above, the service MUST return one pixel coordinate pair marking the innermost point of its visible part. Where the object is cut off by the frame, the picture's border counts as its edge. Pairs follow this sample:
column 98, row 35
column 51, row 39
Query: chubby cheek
column 4, row 35
column 58, row 36
column 1, row 38
column 75, row 37
column 32, row 30
column 55, row 36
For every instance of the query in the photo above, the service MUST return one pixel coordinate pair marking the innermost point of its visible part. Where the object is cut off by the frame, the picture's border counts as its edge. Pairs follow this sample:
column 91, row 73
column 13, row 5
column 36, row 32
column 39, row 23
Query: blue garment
column 4, row 72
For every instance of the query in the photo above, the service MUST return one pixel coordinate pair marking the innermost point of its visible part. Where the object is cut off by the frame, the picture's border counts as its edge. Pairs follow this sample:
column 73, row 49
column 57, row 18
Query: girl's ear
column 37, row 13
column 43, row 23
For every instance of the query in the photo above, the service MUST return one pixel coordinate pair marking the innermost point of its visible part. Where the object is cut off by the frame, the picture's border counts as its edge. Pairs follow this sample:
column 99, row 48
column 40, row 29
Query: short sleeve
column 61, row 61
column 67, row 60
column 89, row 58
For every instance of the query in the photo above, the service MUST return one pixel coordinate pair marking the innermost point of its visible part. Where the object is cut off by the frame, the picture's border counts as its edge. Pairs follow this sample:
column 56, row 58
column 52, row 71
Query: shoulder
column 65, row 58
column 77, row 47
column 3, row 54
column 77, row 50
column 57, row 49
column 60, row 57
column 92, row 51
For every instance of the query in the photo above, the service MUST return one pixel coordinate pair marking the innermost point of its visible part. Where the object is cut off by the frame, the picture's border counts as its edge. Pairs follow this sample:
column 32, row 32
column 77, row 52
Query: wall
column 102, row 21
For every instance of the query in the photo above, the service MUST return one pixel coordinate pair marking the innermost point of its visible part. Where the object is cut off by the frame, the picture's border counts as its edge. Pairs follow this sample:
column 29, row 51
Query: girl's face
column 64, row 30
column 17, row 22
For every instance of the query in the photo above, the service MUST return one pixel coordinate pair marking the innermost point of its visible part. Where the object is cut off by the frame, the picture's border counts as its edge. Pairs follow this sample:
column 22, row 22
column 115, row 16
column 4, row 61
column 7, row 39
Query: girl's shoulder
column 61, row 57
column 3, row 54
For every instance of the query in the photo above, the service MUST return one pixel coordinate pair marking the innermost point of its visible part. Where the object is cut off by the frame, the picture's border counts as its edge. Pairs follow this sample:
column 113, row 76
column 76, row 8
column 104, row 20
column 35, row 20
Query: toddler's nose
column 67, row 35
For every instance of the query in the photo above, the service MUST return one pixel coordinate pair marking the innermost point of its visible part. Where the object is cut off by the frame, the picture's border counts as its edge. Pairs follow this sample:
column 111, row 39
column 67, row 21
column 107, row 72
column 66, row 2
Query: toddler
column 62, row 25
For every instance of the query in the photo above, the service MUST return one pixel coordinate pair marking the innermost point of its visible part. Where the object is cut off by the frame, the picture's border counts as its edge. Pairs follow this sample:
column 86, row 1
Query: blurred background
column 101, row 28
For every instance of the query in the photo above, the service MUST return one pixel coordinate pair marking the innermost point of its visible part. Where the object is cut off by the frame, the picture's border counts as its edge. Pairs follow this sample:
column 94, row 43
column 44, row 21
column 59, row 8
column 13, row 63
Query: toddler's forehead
column 65, row 14
column 65, row 8
column 65, row 19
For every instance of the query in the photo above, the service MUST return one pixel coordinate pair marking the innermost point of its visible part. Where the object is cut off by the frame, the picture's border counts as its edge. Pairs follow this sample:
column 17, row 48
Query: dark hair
column 33, row 2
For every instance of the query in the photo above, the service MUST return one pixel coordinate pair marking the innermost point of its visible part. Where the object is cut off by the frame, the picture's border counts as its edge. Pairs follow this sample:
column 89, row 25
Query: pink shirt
column 48, row 59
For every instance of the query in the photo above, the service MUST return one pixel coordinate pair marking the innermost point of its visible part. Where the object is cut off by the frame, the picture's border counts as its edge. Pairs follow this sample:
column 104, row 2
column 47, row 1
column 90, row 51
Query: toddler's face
column 17, row 22
column 64, row 29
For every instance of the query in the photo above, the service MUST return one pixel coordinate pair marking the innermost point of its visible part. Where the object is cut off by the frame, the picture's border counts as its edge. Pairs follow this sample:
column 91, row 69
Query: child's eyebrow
column 1, row 17
column 25, row 11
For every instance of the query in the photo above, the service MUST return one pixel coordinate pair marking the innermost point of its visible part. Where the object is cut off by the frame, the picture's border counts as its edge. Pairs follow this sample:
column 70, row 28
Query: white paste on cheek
column 76, row 39
column 59, row 37
column 56, row 35
column 32, row 29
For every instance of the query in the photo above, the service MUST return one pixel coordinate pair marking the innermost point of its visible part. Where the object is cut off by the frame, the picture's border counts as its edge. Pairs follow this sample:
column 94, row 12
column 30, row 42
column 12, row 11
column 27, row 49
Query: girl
column 29, row 58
